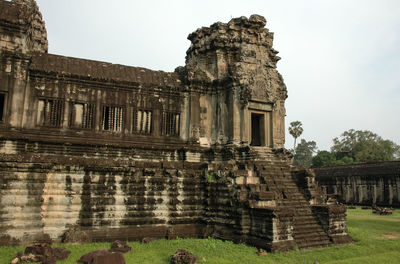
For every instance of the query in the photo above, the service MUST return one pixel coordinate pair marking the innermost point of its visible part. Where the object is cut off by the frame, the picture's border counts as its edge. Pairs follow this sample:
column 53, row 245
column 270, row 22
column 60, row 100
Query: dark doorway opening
column 257, row 130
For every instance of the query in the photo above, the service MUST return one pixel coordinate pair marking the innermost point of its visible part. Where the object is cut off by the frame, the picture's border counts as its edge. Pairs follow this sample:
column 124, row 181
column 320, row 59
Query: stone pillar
column 185, row 118
column 194, row 125
column 278, row 124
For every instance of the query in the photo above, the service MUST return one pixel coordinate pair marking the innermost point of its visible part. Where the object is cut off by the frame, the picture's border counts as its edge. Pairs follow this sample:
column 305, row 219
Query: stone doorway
column 257, row 130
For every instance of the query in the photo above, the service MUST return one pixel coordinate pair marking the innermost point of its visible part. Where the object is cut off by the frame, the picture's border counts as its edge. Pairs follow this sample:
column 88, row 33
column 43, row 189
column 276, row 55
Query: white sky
column 340, row 58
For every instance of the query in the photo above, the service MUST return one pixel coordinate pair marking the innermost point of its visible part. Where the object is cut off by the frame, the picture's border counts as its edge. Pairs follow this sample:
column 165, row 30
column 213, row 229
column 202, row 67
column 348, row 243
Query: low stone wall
column 40, row 201
column 363, row 184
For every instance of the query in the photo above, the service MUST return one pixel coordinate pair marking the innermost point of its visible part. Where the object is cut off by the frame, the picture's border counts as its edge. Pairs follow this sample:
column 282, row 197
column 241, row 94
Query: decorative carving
column 282, row 90
column 269, row 93
column 195, row 134
column 37, row 34
column 245, row 94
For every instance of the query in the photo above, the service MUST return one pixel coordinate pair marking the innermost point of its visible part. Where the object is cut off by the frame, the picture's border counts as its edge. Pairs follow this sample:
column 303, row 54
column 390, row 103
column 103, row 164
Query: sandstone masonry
column 363, row 184
column 119, row 152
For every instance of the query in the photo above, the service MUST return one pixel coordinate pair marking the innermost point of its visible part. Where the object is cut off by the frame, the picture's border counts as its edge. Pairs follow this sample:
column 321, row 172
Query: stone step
column 316, row 244
column 307, row 218
column 307, row 229
column 307, row 225
column 308, row 232
column 316, row 241
column 311, row 236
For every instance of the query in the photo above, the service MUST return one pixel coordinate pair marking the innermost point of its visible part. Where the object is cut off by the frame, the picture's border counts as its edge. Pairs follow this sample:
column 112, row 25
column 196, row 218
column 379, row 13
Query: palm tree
column 295, row 130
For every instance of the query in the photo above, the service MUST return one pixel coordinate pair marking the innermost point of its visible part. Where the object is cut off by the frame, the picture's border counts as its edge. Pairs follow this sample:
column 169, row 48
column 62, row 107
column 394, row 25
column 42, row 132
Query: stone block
column 252, row 180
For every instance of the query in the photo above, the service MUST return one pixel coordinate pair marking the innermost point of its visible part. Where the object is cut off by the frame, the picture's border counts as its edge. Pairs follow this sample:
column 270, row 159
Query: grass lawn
column 377, row 240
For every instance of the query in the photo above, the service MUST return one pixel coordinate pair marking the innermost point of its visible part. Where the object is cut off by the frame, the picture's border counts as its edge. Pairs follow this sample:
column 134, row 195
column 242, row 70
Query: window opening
column 113, row 117
column 170, row 124
column 50, row 112
column 143, row 122
column 82, row 115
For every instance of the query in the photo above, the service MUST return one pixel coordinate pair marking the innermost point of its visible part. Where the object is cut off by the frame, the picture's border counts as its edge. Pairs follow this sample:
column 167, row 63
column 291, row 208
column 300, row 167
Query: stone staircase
column 276, row 173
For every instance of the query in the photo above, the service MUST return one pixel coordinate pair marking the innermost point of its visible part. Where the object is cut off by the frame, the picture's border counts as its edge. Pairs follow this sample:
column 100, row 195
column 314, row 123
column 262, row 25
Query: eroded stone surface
column 42, row 253
column 182, row 256
column 102, row 256
column 24, row 15
column 363, row 184
column 75, row 234
column 120, row 246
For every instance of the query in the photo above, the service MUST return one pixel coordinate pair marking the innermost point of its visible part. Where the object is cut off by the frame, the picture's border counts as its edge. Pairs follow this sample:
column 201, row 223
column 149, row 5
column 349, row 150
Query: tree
column 322, row 159
column 364, row 146
column 325, row 158
column 304, row 153
column 295, row 130
column 357, row 146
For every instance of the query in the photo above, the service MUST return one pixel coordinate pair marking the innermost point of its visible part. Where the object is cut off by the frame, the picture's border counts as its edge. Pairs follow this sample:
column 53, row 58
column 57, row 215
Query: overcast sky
column 340, row 58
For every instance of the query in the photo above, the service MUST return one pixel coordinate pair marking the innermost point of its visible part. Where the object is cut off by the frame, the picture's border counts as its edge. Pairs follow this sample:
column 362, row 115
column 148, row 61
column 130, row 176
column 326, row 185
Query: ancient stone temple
column 118, row 152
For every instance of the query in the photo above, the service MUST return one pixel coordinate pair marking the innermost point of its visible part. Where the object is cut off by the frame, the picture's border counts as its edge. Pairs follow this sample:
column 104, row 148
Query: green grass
column 377, row 240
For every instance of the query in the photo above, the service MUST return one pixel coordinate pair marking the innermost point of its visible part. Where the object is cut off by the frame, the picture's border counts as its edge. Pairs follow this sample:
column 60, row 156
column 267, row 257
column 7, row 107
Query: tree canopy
column 304, row 153
column 357, row 146
column 364, row 146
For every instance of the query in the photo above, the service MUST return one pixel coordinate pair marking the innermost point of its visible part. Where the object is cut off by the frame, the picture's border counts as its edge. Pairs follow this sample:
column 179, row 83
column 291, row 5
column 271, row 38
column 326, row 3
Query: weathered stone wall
column 108, row 199
column 252, row 197
column 364, row 184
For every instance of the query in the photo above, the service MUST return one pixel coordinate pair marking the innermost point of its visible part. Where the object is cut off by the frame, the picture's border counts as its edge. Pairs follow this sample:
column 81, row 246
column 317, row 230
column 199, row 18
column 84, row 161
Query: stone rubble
column 120, row 246
column 182, row 256
column 102, row 256
column 42, row 253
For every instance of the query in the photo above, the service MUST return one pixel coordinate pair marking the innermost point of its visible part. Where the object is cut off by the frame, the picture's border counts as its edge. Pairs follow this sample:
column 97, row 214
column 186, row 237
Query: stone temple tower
column 26, row 14
column 235, row 65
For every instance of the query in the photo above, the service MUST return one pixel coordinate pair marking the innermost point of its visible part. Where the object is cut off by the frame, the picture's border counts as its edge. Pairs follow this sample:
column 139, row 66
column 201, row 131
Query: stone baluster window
column 82, row 115
column 112, row 118
column 170, row 124
column 50, row 112
column 143, row 122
